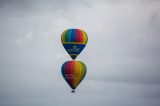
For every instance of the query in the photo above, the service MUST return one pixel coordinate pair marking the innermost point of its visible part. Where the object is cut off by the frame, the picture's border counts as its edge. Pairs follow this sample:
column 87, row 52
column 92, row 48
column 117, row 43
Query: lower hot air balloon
column 73, row 72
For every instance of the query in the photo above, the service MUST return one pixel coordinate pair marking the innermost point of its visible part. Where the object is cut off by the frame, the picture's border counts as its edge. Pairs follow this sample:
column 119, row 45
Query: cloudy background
column 122, row 55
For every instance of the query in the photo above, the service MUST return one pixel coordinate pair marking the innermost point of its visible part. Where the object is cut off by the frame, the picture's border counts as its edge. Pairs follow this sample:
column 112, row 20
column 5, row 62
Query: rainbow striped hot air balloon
column 73, row 72
column 74, row 41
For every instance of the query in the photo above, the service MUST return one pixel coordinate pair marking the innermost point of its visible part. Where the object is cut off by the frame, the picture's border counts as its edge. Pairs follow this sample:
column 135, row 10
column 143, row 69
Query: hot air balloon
column 74, row 41
column 73, row 72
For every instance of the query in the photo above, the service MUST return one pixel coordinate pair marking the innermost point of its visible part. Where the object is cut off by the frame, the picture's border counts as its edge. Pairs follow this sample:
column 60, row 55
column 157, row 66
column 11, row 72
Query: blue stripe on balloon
column 69, row 33
column 62, row 69
column 72, row 35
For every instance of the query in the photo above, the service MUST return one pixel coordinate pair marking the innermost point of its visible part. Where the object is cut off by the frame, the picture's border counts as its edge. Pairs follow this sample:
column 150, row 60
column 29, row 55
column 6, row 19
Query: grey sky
column 122, row 54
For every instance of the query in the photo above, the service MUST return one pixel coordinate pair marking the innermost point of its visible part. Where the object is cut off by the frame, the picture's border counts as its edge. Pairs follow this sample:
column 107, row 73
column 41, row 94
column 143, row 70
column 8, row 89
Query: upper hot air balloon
column 74, row 41
column 73, row 72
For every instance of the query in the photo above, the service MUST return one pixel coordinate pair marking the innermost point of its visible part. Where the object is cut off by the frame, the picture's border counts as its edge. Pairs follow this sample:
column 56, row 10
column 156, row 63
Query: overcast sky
column 122, row 55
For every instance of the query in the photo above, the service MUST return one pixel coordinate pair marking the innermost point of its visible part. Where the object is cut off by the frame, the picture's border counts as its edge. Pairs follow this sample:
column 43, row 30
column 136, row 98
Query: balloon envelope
column 74, row 41
column 73, row 72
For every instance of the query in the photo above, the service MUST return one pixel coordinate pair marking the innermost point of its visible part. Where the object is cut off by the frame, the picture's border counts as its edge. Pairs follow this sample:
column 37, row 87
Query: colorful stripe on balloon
column 73, row 72
column 73, row 36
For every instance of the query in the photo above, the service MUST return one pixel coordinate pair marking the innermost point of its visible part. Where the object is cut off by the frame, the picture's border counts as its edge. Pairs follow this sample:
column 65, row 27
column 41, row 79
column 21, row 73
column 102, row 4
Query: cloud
column 122, row 54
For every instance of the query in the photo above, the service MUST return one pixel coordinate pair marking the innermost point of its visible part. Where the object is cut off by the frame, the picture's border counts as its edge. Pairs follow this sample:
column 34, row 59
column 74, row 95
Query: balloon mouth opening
column 73, row 91
column 73, row 57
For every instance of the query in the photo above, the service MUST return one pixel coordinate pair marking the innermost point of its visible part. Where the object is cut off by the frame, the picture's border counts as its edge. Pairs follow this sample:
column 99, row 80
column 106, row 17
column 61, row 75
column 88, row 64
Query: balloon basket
column 73, row 91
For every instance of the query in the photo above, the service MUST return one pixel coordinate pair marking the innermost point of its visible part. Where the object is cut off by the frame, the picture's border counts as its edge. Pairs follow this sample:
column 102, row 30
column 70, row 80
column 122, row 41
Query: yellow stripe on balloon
column 82, row 73
column 79, row 73
column 75, row 73
column 63, row 37
column 84, row 37
column 73, row 42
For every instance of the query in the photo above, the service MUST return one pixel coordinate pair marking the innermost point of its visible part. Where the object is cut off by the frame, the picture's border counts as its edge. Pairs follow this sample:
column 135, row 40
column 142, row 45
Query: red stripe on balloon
column 76, row 36
column 68, row 71
column 80, row 36
column 71, row 72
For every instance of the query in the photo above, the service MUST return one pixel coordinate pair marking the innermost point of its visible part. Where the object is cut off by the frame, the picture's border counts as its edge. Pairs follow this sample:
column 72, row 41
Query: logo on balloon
column 74, row 49
column 70, row 76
